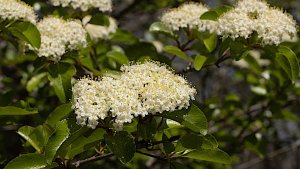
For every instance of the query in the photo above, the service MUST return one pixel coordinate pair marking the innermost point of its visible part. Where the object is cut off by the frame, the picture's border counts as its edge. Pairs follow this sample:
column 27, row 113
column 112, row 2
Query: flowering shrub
column 79, row 89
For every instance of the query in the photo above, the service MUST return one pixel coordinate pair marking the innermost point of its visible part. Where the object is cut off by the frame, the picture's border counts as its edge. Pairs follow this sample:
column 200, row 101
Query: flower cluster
column 16, row 10
column 188, row 16
column 140, row 89
column 84, row 5
column 58, row 36
column 251, row 16
column 97, row 32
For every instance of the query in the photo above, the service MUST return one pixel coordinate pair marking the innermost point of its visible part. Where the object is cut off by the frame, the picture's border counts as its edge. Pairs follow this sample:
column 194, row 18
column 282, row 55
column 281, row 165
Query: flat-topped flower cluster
column 16, row 10
column 249, row 16
column 84, row 5
column 58, row 36
column 272, row 25
column 188, row 16
column 140, row 89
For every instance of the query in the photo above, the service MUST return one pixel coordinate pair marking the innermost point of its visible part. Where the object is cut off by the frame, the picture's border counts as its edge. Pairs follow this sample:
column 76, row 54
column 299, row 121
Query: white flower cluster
column 16, row 10
column 251, row 16
column 84, row 5
column 97, row 32
column 58, row 36
column 188, row 16
column 139, row 90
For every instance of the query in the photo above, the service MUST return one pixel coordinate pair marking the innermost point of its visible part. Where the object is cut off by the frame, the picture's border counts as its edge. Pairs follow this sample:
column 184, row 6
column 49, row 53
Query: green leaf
column 176, row 165
column 138, row 50
column 60, row 75
column 56, row 140
column 209, row 142
column 27, row 161
column 253, row 64
column 210, row 42
column 147, row 128
column 36, row 137
column 191, row 141
column 168, row 145
column 59, row 113
column 287, row 59
column 175, row 51
column 196, row 120
column 122, row 145
column 175, row 115
column 25, row 132
column 99, row 19
column 162, row 28
column 119, row 57
column 12, row 111
column 199, row 62
column 124, row 36
column 26, row 31
column 84, row 143
column 216, row 156
column 222, row 9
column 35, row 81
column 210, row 15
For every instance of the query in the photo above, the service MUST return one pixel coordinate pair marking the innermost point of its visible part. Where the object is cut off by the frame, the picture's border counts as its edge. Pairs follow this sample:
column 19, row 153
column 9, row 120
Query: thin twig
column 91, row 159
column 151, row 155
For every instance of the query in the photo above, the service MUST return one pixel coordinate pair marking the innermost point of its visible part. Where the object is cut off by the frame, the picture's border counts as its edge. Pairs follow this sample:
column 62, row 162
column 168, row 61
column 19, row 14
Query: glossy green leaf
column 210, row 42
column 210, row 15
column 216, row 156
column 147, row 128
column 168, row 146
column 196, row 120
column 209, row 142
column 12, row 111
column 75, row 134
column 161, row 28
column 59, row 113
column 99, row 19
column 25, row 132
column 84, row 143
column 191, row 141
column 222, row 9
column 119, row 57
column 26, row 31
column 60, row 75
column 56, row 140
column 27, row 161
column 199, row 61
column 35, row 81
column 124, row 36
column 175, row 51
column 142, row 49
column 176, row 165
column 287, row 59
column 122, row 145
column 253, row 64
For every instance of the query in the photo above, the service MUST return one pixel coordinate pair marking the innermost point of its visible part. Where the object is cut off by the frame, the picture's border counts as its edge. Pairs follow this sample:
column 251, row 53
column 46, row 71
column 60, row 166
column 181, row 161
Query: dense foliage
column 194, row 87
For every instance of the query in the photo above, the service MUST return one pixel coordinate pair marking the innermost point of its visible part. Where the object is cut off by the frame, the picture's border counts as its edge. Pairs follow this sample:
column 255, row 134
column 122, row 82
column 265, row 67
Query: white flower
column 250, row 16
column 271, row 30
column 188, row 16
column 58, row 36
column 139, row 90
column 252, row 7
column 84, row 5
column 97, row 32
column 16, row 10
column 234, row 24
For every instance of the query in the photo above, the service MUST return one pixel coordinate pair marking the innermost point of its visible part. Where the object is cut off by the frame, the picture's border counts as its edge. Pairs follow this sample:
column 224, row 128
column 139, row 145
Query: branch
column 151, row 155
column 91, row 159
